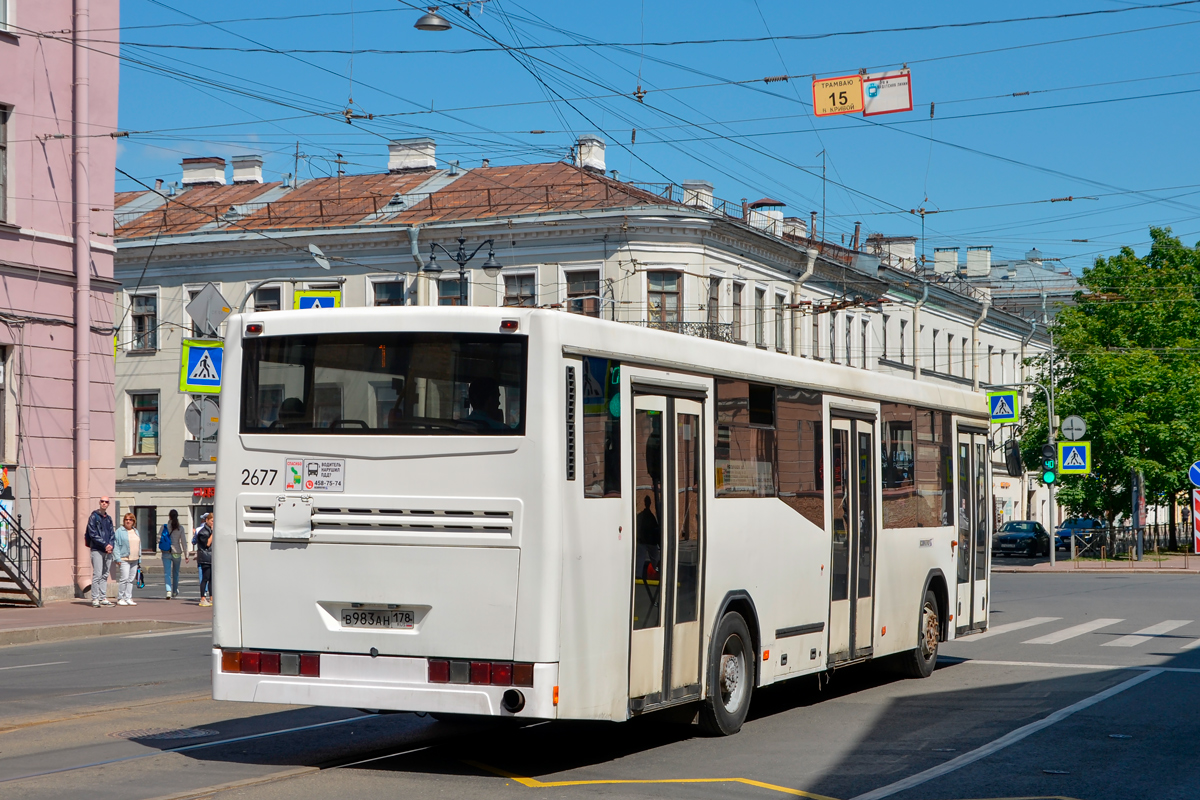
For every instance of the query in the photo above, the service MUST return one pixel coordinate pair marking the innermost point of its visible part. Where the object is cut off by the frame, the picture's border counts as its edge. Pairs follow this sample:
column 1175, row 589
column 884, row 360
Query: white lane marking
column 1043, row 664
column 1146, row 634
column 1004, row 741
column 1192, row 644
column 45, row 664
column 1006, row 628
column 168, row 633
column 1073, row 631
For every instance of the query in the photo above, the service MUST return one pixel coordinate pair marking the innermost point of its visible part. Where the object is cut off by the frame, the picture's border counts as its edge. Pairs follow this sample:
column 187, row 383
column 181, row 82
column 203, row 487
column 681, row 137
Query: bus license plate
column 397, row 619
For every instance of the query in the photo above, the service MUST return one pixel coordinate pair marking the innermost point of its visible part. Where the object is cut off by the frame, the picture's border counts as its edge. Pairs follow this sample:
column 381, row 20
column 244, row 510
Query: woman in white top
column 129, row 555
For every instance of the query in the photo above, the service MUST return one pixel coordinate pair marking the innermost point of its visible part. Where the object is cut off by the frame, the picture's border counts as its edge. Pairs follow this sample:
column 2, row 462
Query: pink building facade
column 58, row 105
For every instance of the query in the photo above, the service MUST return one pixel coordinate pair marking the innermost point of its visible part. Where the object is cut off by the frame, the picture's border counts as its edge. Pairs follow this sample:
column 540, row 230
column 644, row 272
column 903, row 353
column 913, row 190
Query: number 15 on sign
column 842, row 95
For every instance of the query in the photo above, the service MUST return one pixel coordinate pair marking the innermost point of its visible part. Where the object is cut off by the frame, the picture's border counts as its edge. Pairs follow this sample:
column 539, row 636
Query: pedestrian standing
column 170, row 545
column 100, row 538
column 203, row 540
column 129, row 555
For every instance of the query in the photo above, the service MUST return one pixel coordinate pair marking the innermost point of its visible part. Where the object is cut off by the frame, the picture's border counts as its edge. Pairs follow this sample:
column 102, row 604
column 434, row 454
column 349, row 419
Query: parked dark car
column 1086, row 532
column 1021, row 538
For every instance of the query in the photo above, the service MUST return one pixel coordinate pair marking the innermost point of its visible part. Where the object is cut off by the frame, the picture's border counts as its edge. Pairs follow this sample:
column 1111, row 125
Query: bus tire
column 919, row 663
column 731, row 666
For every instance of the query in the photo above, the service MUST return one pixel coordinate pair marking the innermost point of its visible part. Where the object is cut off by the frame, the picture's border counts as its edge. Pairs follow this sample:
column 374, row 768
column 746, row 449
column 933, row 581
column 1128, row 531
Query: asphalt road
column 1086, row 687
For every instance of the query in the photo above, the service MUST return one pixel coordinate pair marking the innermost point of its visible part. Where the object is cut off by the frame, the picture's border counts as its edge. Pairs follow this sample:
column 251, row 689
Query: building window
column 268, row 298
column 962, row 361
column 866, row 335
column 448, row 292
column 833, row 336
column 520, row 290
column 144, row 319
column 816, row 335
column 737, row 311
column 663, row 296
column 933, row 355
column 1003, row 368
column 387, row 293
column 989, row 369
column 583, row 292
column 884, row 333
column 780, row 339
column 949, row 353
column 3, row 139
column 714, row 300
column 145, row 423
column 760, row 314
column 849, row 340
column 903, row 325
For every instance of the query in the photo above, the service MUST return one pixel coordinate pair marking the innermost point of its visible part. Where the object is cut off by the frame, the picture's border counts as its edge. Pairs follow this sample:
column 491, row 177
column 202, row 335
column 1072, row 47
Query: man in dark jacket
column 100, row 538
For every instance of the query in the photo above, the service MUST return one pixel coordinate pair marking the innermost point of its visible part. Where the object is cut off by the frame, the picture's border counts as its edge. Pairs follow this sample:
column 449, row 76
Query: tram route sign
column 842, row 95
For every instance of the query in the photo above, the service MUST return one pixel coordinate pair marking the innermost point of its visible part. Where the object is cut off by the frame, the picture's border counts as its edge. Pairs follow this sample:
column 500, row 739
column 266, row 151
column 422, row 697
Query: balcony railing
column 717, row 331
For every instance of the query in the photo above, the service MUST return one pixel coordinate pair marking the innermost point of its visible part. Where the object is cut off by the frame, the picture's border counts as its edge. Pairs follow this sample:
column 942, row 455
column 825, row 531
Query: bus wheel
column 919, row 663
column 730, row 678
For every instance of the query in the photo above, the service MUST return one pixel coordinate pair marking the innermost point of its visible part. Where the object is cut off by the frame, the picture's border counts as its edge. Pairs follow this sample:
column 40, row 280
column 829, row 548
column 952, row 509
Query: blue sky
column 1111, row 112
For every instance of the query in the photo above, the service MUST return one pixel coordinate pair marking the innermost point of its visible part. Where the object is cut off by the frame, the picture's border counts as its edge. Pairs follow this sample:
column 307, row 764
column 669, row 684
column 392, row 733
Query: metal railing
column 717, row 331
column 1118, row 543
column 21, row 555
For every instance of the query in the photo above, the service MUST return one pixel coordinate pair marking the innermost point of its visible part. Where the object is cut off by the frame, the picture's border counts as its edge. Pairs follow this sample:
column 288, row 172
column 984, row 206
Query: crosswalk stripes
column 1146, row 634
column 996, row 630
column 1073, row 631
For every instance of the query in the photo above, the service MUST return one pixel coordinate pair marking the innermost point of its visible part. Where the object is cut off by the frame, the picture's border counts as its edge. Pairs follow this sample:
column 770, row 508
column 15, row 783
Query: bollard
column 1103, row 563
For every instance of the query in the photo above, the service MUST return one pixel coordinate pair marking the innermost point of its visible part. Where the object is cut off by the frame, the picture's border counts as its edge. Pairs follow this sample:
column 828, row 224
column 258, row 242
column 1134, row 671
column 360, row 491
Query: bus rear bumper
column 386, row 683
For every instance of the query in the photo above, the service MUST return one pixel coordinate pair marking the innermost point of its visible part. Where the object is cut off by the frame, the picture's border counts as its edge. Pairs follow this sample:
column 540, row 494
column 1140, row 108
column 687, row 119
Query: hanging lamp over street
column 432, row 21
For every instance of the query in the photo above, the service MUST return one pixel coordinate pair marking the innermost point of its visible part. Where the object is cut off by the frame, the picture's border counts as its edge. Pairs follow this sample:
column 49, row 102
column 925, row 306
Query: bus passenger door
column 665, row 640
column 853, row 539
column 973, row 520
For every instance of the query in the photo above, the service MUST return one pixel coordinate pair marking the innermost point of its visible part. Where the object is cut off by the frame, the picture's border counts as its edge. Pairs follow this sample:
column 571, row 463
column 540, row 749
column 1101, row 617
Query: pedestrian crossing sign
column 1004, row 406
column 1075, row 458
column 304, row 299
column 200, row 366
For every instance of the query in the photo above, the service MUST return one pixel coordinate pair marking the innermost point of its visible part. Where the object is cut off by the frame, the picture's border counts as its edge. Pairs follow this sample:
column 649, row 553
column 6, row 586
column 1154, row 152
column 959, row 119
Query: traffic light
column 1049, row 464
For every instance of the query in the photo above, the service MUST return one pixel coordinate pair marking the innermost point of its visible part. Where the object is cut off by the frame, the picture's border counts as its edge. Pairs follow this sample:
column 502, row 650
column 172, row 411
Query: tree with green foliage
column 1127, row 360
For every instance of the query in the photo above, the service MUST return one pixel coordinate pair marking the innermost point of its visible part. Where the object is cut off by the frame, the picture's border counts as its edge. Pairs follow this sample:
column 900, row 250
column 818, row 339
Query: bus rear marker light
column 508, row 325
column 522, row 674
column 310, row 665
column 231, row 661
column 502, row 674
column 439, row 671
column 555, row 695
column 481, row 673
column 254, row 328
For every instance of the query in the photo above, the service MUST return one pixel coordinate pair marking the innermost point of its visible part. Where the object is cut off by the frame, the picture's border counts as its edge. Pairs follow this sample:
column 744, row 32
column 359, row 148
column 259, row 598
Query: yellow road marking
column 534, row 783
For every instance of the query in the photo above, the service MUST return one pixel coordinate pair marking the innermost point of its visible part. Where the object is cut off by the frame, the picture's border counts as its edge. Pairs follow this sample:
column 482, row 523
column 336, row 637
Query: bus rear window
column 385, row 383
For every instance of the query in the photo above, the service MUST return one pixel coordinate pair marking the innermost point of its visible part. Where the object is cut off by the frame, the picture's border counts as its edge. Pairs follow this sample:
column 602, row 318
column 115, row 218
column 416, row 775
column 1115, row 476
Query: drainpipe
column 414, row 231
column 916, row 332
column 983, row 312
column 81, row 200
column 800, row 281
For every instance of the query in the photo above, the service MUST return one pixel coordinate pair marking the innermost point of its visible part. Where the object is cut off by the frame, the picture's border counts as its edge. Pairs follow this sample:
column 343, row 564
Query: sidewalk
column 76, row 619
column 1169, row 565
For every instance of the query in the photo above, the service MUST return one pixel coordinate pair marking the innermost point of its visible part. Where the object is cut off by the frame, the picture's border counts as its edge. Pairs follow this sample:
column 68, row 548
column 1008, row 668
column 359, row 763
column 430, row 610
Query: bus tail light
column 502, row 674
column 522, row 674
column 439, row 671
column 480, row 673
column 257, row 662
column 310, row 665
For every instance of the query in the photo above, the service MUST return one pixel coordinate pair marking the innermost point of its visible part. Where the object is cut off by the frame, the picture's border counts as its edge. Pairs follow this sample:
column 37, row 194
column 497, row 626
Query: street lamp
column 432, row 21
column 491, row 267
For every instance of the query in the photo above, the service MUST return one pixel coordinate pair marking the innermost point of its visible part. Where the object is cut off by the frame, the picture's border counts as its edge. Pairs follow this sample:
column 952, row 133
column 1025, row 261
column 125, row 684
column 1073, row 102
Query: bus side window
column 601, row 466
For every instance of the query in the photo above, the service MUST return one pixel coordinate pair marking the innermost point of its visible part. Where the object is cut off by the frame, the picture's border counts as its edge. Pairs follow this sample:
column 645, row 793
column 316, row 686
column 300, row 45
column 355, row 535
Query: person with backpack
column 203, row 539
column 100, row 539
column 129, row 554
column 170, row 545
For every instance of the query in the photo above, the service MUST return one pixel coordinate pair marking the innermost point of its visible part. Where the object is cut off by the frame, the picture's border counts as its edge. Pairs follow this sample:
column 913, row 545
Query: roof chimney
column 979, row 262
column 698, row 194
column 247, row 169
column 204, row 171
column 945, row 260
column 411, row 155
column 590, row 153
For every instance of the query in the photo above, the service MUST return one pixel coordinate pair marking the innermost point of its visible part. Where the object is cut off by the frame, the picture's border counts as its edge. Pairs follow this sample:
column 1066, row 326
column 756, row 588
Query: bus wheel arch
column 732, row 666
column 935, row 581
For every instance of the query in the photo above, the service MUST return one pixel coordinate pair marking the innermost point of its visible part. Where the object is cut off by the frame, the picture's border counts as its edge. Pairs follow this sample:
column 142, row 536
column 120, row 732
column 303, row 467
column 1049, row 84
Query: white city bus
column 517, row 512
